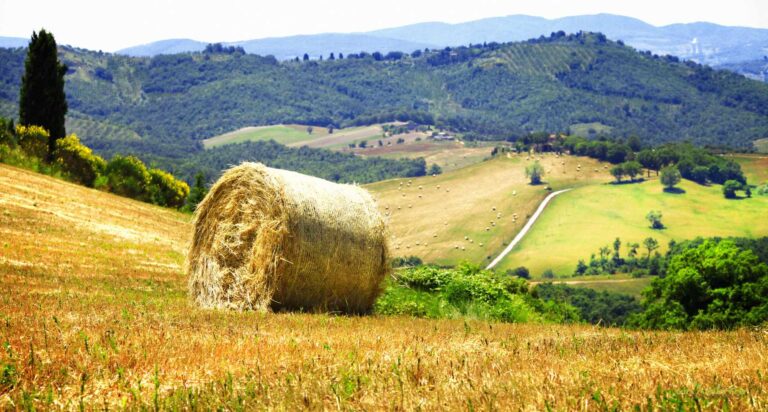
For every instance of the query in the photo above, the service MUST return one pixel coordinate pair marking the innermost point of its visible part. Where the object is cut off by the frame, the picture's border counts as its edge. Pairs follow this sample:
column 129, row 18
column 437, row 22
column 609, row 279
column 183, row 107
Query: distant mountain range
column 705, row 43
column 13, row 42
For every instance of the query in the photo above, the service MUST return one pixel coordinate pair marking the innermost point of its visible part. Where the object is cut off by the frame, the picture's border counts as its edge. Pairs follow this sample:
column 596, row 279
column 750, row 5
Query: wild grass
column 576, row 224
column 94, row 315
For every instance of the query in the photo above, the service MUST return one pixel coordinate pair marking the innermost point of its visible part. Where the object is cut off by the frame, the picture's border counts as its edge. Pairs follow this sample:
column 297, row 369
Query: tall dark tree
column 42, row 101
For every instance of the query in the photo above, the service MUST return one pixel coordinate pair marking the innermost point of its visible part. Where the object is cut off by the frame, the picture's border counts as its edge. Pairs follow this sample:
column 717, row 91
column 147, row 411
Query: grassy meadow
column 283, row 134
column 576, row 224
column 95, row 316
column 431, row 216
column 755, row 167
column 448, row 155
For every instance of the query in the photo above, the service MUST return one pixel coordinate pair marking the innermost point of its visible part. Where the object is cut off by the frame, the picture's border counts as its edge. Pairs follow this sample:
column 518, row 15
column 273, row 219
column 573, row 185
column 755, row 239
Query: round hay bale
column 272, row 239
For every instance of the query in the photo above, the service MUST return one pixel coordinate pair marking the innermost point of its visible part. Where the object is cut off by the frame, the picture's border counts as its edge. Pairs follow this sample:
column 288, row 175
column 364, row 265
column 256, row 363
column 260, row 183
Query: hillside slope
column 493, row 92
column 94, row 304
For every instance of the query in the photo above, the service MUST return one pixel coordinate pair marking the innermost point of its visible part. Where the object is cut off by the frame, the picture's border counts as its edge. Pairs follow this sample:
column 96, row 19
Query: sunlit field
column 94, row 315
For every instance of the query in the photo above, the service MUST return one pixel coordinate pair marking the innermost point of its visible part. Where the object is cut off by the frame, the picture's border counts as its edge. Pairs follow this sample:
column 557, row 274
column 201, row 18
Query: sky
column 110, row 26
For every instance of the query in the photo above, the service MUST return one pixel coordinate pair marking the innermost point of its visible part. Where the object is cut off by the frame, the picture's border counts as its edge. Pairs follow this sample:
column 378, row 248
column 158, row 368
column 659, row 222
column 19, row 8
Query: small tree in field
column 654, row 218
column 670, row 177
column 617, row 172
column 632, row 169
column 535, row 172
column 730, row 187
column 650, row 244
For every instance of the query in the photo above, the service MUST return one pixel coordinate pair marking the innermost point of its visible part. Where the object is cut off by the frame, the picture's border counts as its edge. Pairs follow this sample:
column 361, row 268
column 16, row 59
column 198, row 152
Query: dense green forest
column 163, row 106
column 333, row 166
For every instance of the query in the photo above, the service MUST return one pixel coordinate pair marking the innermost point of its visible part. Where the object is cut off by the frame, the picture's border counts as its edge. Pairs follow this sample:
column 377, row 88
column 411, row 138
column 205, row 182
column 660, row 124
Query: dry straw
column 272, row 239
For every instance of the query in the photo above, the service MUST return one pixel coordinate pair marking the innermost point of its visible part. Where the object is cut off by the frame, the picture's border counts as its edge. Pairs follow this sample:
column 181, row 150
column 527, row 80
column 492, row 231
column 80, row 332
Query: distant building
column 444, row 136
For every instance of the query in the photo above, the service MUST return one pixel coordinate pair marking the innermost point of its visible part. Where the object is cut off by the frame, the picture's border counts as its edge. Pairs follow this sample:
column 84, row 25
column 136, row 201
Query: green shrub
column 714, row 285
column 730, row 187
column 467, row 291
column 7, row 133
column 78, row 160
column 166, row 190
column 33, row 140
column 127, row 176
column 401, row 261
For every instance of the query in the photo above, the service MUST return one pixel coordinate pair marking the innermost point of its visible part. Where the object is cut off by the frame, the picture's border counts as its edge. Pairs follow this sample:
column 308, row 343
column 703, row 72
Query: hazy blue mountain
column 13, row 42
column 706, row 43
column 170, row 46
column 702, row 42
column 323, row 44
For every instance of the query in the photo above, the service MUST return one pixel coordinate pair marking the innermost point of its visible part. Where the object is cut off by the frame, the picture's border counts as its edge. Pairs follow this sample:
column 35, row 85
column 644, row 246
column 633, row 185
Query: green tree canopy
column 716, row 285
column 730, row 187
column 670, row 177
column 42, row 101
column 535, row 172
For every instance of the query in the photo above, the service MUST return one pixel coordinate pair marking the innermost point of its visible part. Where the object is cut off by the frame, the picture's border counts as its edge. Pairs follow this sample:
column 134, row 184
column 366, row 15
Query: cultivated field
column 761, row 145
column 341, row 138
column 95, row 315
column 448, row 155
column 593, row 216
column 433, row 221
column 283, row 134
column 755, row 167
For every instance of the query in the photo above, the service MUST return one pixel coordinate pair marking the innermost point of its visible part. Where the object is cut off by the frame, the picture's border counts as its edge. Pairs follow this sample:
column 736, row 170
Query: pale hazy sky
column 109, row 26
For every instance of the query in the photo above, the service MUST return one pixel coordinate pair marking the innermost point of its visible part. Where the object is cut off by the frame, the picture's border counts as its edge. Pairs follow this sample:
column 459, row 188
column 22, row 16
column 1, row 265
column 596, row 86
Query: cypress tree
column 42, row 100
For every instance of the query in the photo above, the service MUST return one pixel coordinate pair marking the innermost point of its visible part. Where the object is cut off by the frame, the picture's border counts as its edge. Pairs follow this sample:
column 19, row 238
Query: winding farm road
column 525, row 228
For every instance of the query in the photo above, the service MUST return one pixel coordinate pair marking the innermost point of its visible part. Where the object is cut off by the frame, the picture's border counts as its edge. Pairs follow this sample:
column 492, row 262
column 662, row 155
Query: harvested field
column 93, row 319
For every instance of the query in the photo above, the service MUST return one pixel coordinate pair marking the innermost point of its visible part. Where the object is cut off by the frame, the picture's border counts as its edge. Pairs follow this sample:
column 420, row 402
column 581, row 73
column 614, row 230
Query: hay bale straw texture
column 272, row 239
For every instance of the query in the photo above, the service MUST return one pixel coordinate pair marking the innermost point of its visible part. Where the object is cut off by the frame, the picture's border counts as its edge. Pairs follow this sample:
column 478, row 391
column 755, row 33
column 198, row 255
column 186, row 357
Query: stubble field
column 94, row 315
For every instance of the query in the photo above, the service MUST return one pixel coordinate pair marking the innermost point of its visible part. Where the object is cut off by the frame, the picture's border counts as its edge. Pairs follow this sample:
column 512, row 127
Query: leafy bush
column 7, row 133
column 401, row 261
column 196, row 194
column 730, row 187
column 166, row 190
column 521, row 272
column 606, row 308
column 33, row 140
column 127, row 176
column 467, row 291
column 78, row 160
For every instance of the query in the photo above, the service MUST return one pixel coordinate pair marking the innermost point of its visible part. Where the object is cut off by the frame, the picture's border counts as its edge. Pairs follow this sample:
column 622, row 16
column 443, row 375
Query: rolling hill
column 491, row 92
column 469, row 214
column 95, row 305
